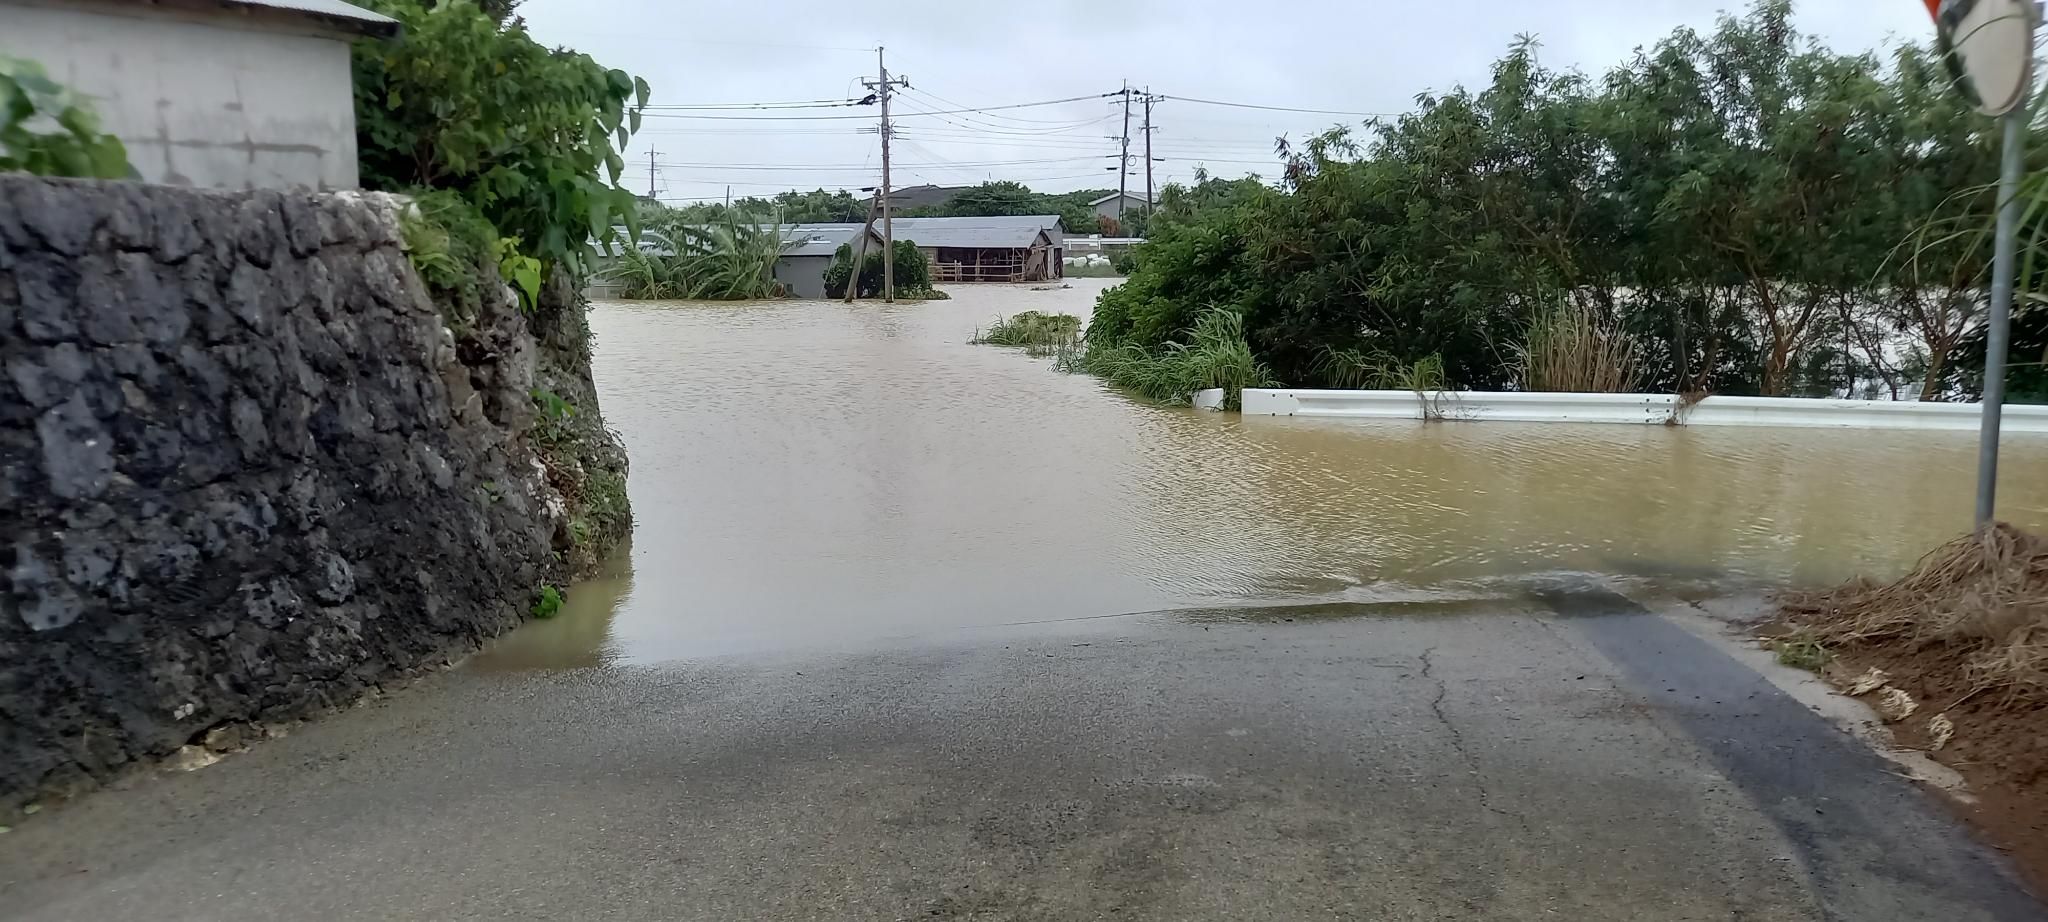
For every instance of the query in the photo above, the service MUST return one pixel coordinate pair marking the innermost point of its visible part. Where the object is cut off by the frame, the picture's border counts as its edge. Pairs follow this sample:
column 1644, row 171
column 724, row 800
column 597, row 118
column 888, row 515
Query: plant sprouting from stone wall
column 48, row 130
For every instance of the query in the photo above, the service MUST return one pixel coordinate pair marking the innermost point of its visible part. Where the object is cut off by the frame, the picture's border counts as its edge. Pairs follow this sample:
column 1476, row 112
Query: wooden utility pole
column 1123, row 163
column 883, row 86
column 1148, row 157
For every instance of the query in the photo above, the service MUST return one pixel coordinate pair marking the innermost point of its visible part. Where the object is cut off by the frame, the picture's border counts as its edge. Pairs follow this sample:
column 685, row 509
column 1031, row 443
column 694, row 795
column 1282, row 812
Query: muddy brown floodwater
column 813, row 473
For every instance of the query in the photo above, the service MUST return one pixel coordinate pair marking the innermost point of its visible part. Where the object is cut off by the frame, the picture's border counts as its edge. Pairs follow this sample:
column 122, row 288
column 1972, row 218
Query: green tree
column 530, row 136
column 913, row 272
column 820, row 207
column 1726, row 207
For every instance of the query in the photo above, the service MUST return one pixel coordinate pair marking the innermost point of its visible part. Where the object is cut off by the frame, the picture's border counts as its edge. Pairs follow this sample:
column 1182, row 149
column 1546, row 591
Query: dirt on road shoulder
column 1955, row 657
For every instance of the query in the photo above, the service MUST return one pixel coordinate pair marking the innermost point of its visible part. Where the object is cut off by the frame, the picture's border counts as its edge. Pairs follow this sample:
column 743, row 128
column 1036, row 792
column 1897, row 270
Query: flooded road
column 814, row 473
column 817, row 485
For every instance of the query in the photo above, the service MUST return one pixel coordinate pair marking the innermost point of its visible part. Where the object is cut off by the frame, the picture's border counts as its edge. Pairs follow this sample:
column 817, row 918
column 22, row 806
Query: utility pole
column 883, row 86
column 1148, row 155
column 650, row 170
column 1123, row 163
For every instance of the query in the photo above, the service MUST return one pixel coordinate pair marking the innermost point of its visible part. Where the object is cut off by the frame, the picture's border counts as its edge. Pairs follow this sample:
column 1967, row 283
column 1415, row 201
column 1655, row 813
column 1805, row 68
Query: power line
column 1247, row 105
column 769, row 118
column 826, row 167
column 972, row 137
column 997, row 141
column 666, row 39
column 734, row 106
column 1010, row 118
column 1271, row 163
column 993, row 128
column 788, row 187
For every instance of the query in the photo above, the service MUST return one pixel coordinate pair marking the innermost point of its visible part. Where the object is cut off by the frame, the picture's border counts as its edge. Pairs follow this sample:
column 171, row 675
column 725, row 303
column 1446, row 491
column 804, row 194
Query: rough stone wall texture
column 246, row 472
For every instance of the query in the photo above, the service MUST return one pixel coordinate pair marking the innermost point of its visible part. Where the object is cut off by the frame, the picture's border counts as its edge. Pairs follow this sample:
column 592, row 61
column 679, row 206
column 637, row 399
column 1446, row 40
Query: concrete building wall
column 1108, row 208
column 804, row 276
column 211, row 100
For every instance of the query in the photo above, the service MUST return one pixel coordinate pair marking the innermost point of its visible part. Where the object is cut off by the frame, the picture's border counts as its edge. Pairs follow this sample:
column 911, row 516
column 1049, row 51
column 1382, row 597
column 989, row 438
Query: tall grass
column 1568, row 349
column 1358, row 369
column 1039, row 334
column 1215, row 355
column 730, row 259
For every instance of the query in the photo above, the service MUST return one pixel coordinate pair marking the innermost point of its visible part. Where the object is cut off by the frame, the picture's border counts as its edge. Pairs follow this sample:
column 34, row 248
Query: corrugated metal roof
column 993, row 231
column 920, row 196
column 1009, row 232
column 334, row 12
column 816, row 239
column 1002, row 232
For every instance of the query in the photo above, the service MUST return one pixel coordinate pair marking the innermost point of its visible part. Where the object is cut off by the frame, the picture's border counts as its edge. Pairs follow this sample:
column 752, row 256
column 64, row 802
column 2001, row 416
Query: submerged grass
column 1040, row 334
column 1215, row 355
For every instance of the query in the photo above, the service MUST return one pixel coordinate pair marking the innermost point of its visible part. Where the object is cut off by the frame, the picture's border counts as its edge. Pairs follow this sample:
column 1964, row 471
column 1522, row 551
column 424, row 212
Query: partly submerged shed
column 807, row 252
column 1011, row 248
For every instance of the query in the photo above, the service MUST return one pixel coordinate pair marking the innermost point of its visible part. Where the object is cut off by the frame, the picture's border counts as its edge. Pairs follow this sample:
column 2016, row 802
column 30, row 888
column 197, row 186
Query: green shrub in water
column 1215, row 355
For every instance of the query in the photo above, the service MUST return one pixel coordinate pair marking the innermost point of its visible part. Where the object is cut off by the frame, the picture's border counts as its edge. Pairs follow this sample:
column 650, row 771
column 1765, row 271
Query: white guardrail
column 1639, row 409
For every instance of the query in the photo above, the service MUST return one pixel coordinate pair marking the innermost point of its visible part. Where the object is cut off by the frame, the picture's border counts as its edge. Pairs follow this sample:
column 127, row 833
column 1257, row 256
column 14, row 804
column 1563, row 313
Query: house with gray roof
column 229, row 94
column 1018, row 248
column 1117, row 204
column 1003, row 248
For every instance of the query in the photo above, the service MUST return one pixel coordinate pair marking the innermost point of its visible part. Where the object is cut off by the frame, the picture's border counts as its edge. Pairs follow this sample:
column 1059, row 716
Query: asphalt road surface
column 1580, row 760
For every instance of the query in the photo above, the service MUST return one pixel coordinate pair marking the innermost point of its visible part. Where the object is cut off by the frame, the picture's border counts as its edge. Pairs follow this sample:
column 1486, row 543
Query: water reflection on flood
column 810, row 472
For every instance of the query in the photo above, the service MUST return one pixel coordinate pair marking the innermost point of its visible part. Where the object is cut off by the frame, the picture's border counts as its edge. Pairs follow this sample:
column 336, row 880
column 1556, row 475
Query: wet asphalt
column 1572, row 759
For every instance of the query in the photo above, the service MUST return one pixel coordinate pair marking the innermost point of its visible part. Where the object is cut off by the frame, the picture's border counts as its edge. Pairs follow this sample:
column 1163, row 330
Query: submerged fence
column 1638, row 409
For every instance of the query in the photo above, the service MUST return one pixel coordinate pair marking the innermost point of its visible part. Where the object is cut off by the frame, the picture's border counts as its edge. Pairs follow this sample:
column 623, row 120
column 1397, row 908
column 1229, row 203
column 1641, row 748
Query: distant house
column 922, row 196
column 231, row 94
column 1022, row 248
column 1018, row 248
column 1117, row 204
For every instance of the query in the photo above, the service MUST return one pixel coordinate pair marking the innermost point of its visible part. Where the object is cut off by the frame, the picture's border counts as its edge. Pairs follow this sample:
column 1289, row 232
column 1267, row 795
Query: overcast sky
column 1351, row 56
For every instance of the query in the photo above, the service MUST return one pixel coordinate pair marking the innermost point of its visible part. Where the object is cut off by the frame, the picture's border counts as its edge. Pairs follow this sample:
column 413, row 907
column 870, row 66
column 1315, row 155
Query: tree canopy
column 1735, row 202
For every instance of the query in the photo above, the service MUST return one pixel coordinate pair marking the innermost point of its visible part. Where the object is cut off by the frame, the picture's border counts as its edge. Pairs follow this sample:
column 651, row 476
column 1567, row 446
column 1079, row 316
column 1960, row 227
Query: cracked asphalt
column 1577, row 760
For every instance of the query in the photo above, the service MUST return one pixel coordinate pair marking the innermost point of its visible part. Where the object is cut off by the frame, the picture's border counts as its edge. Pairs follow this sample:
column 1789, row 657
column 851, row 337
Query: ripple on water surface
column 810, row 472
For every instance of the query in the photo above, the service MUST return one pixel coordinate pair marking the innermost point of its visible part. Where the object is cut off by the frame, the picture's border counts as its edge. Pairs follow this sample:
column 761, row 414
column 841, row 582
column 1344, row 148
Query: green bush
column 913, row 272
column 47, row 130
column 729, row 258
column 1039, row 333
column 1215, row 355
